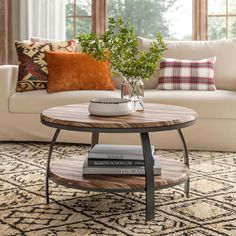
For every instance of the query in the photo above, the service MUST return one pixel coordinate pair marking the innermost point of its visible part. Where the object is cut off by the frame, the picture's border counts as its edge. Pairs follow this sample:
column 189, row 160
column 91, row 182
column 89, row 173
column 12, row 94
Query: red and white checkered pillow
column 176, row 74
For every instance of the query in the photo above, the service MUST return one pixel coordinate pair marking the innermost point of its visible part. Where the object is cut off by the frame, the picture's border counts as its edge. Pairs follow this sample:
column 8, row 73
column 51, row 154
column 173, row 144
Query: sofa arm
column 8, row 80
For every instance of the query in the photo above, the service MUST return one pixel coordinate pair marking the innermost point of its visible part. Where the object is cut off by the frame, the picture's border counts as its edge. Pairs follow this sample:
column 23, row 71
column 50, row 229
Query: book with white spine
column 114, row 151
column 119, row 170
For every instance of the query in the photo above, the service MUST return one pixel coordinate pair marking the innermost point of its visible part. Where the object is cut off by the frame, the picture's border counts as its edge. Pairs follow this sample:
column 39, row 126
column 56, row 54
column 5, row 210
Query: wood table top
column 68, row 172
column 154, row 115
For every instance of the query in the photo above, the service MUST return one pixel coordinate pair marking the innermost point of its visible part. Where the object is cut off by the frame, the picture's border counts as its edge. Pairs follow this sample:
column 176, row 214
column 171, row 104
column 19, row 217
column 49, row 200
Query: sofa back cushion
column 223, row 50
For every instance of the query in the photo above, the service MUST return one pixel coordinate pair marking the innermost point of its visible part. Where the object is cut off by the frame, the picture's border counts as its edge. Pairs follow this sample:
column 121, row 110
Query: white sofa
column 215, row 129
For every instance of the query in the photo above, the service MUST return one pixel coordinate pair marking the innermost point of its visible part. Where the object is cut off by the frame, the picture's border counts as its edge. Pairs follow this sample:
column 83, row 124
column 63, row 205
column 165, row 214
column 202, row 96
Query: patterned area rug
column 210, row 210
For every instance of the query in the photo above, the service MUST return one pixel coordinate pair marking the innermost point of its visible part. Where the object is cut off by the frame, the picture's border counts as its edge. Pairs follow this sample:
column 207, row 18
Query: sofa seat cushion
column 219, row 104
column 37, row 101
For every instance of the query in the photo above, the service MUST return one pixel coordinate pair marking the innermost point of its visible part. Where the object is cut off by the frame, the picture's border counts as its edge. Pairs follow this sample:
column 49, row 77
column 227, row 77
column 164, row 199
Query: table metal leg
column 149, row 174
column 48, row 164
column 186, row 161
column 95, row 139
column 186, row 187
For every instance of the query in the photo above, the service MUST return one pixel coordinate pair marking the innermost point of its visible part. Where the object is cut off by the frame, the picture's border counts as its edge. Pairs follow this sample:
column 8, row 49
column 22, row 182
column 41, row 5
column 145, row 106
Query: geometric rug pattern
column 210, row 209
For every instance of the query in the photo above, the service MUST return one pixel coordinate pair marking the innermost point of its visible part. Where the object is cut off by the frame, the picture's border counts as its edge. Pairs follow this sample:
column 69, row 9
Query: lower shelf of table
column 68, row 172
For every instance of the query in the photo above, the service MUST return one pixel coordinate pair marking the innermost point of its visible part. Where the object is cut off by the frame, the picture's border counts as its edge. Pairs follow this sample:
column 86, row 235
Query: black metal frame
column 117, row 130
column 148, row 158
column 149, row 175
column 186, row 161
column 48, row 163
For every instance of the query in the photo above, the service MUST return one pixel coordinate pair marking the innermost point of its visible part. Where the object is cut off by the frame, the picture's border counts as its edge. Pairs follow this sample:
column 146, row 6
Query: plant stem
column 127, row 78
column 133, row 83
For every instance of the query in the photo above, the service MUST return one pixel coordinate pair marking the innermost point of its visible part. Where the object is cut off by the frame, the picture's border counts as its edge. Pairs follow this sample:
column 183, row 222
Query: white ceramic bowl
column 110, row 107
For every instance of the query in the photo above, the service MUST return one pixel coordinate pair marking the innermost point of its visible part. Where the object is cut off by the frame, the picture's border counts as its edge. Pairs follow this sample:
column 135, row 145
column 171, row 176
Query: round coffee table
column 155, row 117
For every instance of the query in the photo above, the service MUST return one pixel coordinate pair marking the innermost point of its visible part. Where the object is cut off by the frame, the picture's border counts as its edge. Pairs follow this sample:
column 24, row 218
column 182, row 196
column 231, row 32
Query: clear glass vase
column 133, row 89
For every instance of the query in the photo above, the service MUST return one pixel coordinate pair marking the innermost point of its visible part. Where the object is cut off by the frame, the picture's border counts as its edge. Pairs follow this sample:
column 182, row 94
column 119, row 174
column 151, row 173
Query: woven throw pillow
column 33, row 72
column 77, row 71
column 176, row 74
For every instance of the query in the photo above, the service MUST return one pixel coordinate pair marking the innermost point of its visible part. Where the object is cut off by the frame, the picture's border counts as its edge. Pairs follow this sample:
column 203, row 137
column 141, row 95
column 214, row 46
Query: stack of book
column 109, row 159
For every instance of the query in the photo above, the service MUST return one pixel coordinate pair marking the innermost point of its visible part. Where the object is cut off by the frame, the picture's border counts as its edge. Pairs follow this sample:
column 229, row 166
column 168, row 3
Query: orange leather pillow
column 77, row 71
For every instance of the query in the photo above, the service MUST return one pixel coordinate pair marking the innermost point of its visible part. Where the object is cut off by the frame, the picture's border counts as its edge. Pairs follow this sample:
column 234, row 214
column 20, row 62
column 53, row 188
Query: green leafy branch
column 119, row 46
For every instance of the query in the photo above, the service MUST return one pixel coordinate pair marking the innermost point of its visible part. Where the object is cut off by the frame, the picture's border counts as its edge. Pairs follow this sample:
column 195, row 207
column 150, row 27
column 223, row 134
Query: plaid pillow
column 176, row 74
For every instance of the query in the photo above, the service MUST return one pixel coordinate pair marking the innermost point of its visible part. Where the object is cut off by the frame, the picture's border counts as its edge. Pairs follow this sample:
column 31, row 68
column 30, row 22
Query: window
column 221, row 19
column 172, row 18
column 78, row 17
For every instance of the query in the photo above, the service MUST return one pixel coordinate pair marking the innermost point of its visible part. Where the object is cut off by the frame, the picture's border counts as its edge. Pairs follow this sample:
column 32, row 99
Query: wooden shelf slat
column 68, row 172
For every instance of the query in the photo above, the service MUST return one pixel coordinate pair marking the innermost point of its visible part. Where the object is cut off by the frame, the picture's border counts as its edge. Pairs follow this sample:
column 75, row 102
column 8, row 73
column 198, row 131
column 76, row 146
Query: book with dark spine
column 114, row 162
column 110, row 151
column 123, row 170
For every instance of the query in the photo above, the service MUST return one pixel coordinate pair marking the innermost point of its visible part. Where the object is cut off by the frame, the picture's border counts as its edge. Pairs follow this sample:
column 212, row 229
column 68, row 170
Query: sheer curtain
column 42, row 18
